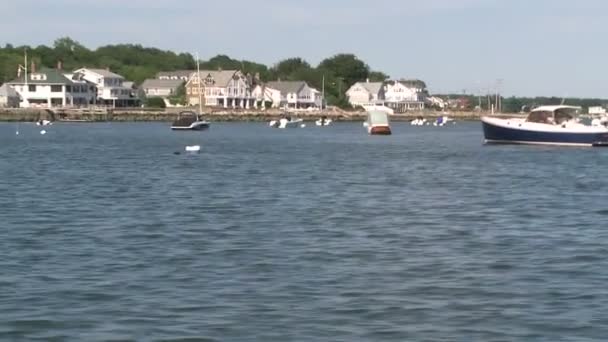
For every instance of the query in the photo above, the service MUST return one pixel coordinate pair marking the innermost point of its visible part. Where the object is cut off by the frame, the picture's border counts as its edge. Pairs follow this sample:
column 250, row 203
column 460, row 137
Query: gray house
column 9, row 98
column 161, row 88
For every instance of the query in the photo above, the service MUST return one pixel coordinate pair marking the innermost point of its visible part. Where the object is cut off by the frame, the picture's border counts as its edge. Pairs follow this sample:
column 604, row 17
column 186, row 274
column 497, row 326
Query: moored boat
column 378, row 123
column 286, row 122
column 189, row 120
column 323, row 121
column 545, row 125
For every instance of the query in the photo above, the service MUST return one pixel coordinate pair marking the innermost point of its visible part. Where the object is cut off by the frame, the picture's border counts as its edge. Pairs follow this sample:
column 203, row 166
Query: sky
column 521, row 47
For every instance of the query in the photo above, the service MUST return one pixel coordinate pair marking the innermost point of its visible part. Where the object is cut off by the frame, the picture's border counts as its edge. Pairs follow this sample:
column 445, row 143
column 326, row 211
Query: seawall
column 168, row 115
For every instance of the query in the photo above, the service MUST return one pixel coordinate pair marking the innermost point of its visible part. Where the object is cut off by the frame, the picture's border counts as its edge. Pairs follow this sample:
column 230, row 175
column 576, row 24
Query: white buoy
column 17, row 133
column 193, row 148
column 303, row 125
column 43, row 132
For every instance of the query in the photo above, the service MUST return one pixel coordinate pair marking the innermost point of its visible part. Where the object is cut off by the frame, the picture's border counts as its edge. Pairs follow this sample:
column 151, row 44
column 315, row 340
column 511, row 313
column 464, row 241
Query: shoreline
column 170, row 114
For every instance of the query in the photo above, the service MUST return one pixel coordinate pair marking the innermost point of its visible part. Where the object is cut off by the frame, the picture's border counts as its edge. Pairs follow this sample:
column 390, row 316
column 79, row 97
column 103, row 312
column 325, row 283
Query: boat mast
column 322, row 92
column 25, row 67
column 200, row 94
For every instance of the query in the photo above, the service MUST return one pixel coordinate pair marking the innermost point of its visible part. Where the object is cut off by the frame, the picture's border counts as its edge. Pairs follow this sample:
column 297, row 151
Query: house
column 161, row 87
column 404, row 95
column 53, row 88
column 110, row 87
column 9, row 98
column 596, row 110
column 288, row 94
column 183, row 75
column 365, row 93
column 219, row 88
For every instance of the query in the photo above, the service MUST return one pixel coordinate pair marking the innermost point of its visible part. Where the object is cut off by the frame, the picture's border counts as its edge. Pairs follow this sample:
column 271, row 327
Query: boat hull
column 497, row 134
column 197, row 126
column 380, row 130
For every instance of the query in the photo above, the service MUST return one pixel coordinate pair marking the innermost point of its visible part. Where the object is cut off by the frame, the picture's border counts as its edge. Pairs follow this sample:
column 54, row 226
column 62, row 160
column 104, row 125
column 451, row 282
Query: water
column 315, row 234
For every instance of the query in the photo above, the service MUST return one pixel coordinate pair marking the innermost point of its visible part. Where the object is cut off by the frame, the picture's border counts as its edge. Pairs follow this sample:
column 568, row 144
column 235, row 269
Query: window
column 56, row 89
column 69, row 89
column 32, row 88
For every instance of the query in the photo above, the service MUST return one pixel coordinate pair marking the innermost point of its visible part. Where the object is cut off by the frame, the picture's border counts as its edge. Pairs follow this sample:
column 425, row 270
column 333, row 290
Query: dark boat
column 545, row 125
column 190, row 121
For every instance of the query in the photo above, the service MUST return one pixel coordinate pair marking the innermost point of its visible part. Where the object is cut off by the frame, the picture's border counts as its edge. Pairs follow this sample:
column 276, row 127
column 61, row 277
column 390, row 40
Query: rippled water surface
column 313, row 234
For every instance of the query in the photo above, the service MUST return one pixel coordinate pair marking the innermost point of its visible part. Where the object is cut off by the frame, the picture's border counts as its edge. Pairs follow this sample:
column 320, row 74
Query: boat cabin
column 378, row 123
column 553, row 115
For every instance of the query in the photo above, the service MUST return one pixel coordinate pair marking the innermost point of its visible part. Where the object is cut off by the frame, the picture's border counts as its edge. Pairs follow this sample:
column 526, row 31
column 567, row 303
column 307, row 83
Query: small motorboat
column 378, row 123
column 323, row 121
column 189, row 121
column 545, row 125
column 419, row 121
column 43, row 123
column 442, row 120
column 287, row 122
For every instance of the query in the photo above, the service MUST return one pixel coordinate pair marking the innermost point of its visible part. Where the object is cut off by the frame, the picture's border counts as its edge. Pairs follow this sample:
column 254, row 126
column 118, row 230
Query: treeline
column 515, row 104
column 136, row 63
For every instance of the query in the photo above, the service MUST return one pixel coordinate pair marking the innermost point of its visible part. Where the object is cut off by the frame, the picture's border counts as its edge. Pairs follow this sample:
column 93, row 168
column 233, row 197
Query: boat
column 189, row 120
column 287, row 122
column 378, row 123
column 545, row 125
column 419, row 121
column 442, row 120
column 43, row 123
column 323, row 121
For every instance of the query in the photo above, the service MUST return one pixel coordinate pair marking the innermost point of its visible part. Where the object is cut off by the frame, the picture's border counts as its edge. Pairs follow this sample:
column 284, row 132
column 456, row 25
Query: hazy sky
column 538, row 47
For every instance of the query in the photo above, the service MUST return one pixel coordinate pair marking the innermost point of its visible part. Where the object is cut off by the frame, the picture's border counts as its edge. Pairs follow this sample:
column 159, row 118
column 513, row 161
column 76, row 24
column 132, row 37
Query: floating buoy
column 193, row 148
column 303, row 125
column 43, row 132
column 17, row 133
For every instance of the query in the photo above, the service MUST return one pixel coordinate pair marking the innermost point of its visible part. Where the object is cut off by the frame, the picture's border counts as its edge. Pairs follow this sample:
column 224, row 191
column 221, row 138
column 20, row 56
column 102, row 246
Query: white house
column 288, row 94
column 404, row 95
column 596, row 110
column 9, row 98
column 161, row 87
column 53, row 88
column 183, row 75
column 110, row 88
column 221, row 88
column 365, row 93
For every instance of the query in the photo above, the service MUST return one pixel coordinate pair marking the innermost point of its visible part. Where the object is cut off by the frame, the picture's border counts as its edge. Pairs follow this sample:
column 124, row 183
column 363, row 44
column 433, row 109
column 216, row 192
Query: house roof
column 103, row 72
column 286, row 86
column 53, row 76
column 412, row 83
column 220, row 77
column 7, row 91
column 178, row 73
column 372, row 87
column 155, row 83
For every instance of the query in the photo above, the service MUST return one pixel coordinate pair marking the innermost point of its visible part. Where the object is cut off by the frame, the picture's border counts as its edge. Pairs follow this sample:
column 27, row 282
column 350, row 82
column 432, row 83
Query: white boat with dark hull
column 545, row 125
column 189, row 121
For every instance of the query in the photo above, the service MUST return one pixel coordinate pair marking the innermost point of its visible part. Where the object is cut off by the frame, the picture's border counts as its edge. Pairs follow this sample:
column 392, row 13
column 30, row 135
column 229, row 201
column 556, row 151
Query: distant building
column 53, row 88
column 404, row 95
column 110, row 88
column 597, row 110
column 365, row 93
column 161, row 87
column 9, row 98
column 183, row 75
column 220, row 88
column 289, row 94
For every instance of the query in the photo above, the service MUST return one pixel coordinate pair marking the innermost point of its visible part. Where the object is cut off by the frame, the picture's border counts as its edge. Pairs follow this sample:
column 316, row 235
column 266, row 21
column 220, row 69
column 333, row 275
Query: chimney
column 107, row 68
column 367, row 80
column 219, row 68
column 59, row 64
column 33, row 67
